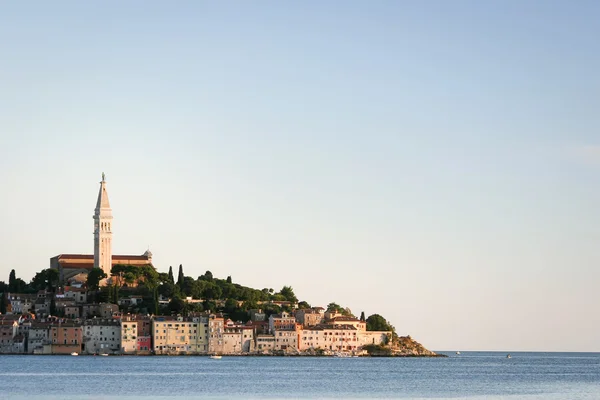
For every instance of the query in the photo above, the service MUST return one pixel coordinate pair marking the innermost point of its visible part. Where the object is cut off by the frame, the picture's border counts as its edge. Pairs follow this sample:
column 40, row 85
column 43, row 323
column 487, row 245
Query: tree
column 303, row 305
column 52, row 277
column 208, row 276
column 171, row 278
column 288, row 293
column 94, row 277
column 180, row 277
column 229, row 279
column 362, row 316
column 176, row 305
column 12, row 278
column 2, row 303
column 376, row 322
column 150, row 277
column 52, row 306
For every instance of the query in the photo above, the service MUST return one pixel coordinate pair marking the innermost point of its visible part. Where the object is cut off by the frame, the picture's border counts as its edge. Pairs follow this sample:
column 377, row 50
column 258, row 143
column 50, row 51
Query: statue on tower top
column 103, row 177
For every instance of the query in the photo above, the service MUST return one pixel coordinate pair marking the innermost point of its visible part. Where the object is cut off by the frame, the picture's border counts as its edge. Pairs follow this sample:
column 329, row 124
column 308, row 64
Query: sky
column 435, row 162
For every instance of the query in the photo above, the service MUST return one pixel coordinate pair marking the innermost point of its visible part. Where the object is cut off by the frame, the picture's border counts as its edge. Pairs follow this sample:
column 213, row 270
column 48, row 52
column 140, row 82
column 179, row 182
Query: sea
column 470, row 375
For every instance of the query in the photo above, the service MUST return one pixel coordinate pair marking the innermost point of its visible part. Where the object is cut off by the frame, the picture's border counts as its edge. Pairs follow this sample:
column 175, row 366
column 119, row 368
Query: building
column 37, row 336
column 101, row 310
column 215, row 333
column 310, row 317
column 78, row 295
column 129, row 335
column 8, row 330
column 21, row 303
column 282, row 321
column 237, row 338
column 337, row 338
column 265, row 343
column 103, row 230
column 65, row 338
column 102, row 336
column 77, row 266
column 178, row 335
column 286, row 339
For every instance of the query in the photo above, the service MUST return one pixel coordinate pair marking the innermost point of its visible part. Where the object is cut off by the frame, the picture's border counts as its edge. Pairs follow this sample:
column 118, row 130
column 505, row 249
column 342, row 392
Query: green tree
column 288, row 293
column 52, row 277
column 376, row 322
column 362, row 316
column 208, row 276
column 168, row 290
column 180, row 277
column 94, row 277
column 229, row 279
column 12, row 281
column 52, row 306
column 39, row 281
column 176, row 305
column 171, row 278
column 2, row 303
column 303, row 305
column 150, row 278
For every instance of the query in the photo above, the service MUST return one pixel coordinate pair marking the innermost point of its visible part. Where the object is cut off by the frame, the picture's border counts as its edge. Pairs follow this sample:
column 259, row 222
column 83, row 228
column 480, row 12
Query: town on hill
column 103, row 303
column 143, row 312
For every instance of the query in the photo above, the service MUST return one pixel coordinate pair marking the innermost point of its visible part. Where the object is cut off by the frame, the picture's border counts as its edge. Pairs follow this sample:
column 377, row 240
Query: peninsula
column 109, row 304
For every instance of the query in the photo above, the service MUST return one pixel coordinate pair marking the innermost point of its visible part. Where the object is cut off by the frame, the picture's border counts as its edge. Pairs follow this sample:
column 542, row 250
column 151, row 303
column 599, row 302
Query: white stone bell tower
column 103, row 230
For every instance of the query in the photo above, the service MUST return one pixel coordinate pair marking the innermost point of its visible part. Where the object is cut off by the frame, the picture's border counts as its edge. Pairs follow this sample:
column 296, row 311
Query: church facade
column 77, row 266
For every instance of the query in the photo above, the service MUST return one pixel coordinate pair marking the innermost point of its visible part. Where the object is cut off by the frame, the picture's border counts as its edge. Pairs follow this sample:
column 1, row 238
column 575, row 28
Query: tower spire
column 103, row 230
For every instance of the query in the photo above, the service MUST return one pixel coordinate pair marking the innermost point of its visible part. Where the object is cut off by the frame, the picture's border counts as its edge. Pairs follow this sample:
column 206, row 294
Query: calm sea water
column 470, row 375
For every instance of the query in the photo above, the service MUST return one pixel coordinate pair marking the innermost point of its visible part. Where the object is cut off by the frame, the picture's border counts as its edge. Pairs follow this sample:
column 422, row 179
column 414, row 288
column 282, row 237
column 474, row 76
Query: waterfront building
column 64, row 338
column 178, row 335
column 286, row 339
column 265, row 343
column 237, row 338
column 102, row 336
column 339, row 338
column 129, row 334
column 215, row 333
column 8, row 330
column 37, row 336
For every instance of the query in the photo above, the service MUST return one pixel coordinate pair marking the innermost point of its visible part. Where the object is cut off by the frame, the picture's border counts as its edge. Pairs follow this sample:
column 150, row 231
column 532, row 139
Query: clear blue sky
column 437, row 162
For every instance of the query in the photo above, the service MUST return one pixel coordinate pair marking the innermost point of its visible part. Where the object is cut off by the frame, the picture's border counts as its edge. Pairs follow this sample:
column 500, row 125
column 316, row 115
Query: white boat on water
column 216, row 357
column 508, row 356
column 104, row 355
column 458, row 353
column 74, row 354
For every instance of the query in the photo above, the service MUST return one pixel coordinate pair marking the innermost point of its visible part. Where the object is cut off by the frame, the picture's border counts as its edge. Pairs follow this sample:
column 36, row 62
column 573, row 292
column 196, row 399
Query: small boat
column 216, row 357
column 458, row 353
column 508, row 356
column 74, row 354
column 104, row 355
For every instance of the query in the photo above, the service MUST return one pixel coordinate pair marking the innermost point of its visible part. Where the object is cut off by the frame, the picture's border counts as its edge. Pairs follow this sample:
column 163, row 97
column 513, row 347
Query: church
column 75, row 267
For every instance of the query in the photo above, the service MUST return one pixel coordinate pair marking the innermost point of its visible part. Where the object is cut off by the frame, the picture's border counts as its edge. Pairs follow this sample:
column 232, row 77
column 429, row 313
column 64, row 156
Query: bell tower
column 103, row 230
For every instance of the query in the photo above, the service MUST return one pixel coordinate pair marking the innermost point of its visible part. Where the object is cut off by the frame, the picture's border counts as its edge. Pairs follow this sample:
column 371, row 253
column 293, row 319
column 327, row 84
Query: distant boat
column 104, row 355
column 508, row 356
column 74, row 354
column 458, row 353
column 216, row 357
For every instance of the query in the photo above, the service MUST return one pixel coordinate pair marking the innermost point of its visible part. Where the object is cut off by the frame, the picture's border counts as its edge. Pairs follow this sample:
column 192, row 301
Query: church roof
column 115, row 257
column 102, row 196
